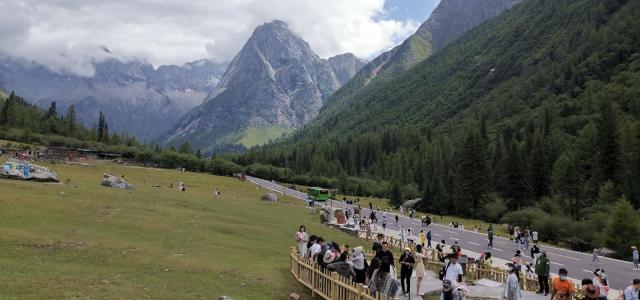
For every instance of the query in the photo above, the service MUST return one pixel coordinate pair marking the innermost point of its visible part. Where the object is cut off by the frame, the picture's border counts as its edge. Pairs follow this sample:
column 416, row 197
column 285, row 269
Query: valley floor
column 79, row 239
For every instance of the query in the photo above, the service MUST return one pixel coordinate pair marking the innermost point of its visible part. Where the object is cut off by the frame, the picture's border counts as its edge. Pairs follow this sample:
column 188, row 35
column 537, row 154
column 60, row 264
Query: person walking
column 542, row 269
column 635, row 257
column 302, row 238
column 419, row 267
column 512, row 286
column 407, row 261
column 403, row 237
column 451, row 291
column 342, row 267
column 429, row 239
column 562, row 286
column 490, row 237
column 589, row 290
column 594, row 257
column 397, row 219
column 384, row 224
column 422, row 238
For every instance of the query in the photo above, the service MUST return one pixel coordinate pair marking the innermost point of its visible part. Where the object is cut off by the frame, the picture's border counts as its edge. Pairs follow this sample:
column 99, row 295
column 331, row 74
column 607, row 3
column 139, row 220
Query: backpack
column 443, row 271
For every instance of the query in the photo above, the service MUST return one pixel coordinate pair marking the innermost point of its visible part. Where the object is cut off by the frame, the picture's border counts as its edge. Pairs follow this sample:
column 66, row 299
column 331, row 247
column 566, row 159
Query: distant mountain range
column 275, row 84
column 134, row 96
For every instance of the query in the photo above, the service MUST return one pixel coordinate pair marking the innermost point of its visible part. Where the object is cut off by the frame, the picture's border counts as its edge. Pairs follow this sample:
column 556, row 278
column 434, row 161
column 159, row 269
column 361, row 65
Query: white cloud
column 69, row 34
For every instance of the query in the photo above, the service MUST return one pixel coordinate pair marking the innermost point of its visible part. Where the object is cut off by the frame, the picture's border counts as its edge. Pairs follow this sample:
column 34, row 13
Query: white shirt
column 534, row 235
column 453, row 271
column 315, row 249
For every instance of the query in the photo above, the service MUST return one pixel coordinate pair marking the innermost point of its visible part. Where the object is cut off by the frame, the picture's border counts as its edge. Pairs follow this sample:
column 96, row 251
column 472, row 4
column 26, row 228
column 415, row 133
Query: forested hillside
column 27, row 123
column 531, row 118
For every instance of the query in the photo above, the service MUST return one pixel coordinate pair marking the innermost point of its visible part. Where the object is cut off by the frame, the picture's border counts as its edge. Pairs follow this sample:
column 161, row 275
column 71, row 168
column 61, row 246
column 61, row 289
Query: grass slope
column 255, row 136
column 82, row 240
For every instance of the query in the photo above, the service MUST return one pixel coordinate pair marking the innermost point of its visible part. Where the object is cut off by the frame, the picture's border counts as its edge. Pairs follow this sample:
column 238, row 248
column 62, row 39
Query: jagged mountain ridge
column 135, row 97
column 274, row 84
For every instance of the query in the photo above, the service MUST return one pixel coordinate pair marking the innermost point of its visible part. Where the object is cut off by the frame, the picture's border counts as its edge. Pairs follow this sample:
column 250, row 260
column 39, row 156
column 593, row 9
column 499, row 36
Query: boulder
column 22, row 170
column 115, row 182
column 270, row 197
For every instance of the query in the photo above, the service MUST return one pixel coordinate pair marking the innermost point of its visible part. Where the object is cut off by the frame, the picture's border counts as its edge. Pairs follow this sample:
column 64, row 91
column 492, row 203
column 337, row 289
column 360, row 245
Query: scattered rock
column 22, row 170
column 115, row 182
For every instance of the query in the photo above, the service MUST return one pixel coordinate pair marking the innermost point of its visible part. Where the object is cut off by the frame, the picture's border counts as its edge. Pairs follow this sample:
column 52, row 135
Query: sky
column 69, row 35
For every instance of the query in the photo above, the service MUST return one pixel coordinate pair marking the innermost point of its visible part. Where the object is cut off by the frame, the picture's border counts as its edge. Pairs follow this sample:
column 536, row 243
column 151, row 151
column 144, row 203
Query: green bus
column 318, row 194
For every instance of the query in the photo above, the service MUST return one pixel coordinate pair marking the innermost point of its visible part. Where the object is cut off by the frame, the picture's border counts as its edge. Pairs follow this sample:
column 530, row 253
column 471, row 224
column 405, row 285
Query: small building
column 60, row 153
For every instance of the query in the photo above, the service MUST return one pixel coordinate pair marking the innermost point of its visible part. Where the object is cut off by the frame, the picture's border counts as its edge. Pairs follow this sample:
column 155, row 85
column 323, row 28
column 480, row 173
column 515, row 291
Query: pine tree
column 395, row 195
column 101, row 126
column 472, row 175
column 186, row 148
column 608, row 143
column 70, row 120
column 516, row 186
column 52, row 112
column 198, row 153
column 9, row 114
column 539, row 167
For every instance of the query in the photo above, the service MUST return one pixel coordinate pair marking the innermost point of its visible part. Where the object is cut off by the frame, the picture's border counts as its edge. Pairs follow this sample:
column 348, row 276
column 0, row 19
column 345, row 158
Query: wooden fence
column 327, row 284
column 473, row 272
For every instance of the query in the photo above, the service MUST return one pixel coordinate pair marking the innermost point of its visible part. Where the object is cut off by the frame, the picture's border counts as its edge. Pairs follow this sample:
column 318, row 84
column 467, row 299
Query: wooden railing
column 473, row 272
column 326, row 284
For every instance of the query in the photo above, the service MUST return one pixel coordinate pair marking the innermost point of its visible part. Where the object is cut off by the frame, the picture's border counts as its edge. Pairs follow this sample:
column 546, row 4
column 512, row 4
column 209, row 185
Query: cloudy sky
column 69, row 34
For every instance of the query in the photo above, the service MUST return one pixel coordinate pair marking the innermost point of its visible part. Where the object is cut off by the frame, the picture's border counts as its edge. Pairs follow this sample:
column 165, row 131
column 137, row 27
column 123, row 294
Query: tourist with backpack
column 452, row 270
column 450, row 291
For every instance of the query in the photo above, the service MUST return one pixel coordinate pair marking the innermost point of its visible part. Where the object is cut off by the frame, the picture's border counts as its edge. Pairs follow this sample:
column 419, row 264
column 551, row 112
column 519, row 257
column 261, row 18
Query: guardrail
column 326, row 284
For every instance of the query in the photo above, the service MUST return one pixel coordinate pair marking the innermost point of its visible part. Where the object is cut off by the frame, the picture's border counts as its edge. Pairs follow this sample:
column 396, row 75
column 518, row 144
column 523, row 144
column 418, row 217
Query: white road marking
column 501, row 243
column 455, row 239
column 587, row 271
column 555, row 263
column 472, row 243
column 449, row 231
column 569, row 257
column 496, row 249
column 436, row 234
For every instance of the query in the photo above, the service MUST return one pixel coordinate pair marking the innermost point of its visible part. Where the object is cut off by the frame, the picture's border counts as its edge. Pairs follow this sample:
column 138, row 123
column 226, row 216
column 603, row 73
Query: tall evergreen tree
column 608, row 142
column 52, row 112
column 70, row 120
column 539, row 166
column 516, row 185
column 395, row 195
column 101, row 126
column 472, row 175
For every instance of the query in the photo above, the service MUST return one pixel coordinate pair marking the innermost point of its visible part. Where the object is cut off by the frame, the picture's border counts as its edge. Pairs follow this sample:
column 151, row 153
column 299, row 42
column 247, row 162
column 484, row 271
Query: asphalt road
column 619, row 272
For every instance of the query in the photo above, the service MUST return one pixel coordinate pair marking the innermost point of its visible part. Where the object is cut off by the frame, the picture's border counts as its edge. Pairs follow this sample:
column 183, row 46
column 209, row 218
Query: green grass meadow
column 79, row 239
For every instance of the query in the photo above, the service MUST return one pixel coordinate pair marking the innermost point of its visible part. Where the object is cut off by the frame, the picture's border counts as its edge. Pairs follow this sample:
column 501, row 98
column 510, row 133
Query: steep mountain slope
column 134, row 96
column 345, row 66
column 274, row 84
column 546, row 92
column 447, row 22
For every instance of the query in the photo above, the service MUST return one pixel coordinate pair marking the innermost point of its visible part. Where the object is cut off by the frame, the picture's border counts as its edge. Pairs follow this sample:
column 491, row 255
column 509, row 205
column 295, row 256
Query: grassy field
column 83, row 240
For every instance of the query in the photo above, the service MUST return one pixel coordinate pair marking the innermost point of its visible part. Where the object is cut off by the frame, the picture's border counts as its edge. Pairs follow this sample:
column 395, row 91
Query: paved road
column 619, row 272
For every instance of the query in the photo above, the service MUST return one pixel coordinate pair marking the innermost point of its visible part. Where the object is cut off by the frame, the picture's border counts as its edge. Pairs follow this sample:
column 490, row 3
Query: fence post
column 334, row 285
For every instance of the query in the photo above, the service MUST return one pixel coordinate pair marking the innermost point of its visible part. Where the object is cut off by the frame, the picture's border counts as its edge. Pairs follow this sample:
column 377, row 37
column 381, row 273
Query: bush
column 494, row 209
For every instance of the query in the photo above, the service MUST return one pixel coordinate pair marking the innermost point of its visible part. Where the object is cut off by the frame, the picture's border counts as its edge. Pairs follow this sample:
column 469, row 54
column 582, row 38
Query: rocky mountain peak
column 275, row 83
